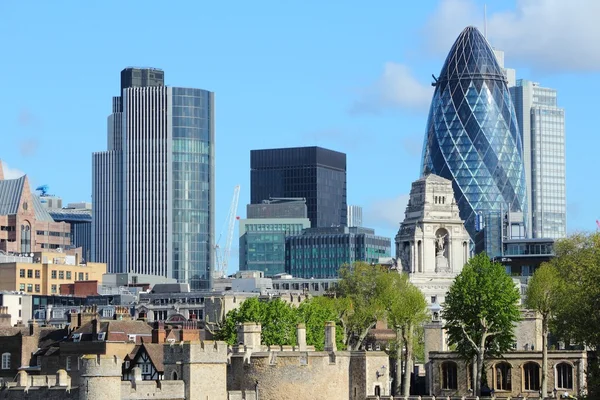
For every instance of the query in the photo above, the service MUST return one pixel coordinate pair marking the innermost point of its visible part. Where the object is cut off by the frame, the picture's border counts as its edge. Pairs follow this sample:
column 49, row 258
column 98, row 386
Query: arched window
column 377, row 390
column 6, row 361
column 449, row 375
column 174, row 376
column 25, row 238
column 564, row 376
column 531, row 377
column 503, row 377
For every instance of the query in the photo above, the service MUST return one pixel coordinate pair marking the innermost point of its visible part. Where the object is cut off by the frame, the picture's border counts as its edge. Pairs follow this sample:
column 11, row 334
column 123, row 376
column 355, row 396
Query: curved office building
column 472, row 134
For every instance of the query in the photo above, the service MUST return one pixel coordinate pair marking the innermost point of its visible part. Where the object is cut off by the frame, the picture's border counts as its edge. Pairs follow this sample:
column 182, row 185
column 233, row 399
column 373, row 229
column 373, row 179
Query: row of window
column 53, row 274
column 503, row 376
column 30, row 287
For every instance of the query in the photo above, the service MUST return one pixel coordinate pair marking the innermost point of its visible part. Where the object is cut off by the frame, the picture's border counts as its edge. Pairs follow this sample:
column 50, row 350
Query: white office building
column 542, row 125
column 153, row 189
column 355, row 216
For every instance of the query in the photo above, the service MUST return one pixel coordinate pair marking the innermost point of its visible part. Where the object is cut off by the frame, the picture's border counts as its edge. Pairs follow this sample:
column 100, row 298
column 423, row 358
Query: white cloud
column 550, row 35
column 11, row 173
column 386, row 213
column 396, row 88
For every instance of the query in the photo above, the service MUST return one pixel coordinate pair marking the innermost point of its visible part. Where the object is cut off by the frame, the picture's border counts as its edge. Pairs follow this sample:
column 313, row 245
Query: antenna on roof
column 485, row 20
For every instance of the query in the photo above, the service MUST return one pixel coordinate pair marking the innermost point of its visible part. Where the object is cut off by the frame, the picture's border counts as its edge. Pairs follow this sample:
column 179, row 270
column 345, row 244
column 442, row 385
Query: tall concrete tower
column 153, row 189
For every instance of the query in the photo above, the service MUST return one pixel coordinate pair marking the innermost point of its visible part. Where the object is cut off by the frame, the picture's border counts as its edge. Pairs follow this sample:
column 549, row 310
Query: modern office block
column 354, row 216
column 542, row 124
column 80, row 220
column 278, row 208
column 262, row 242
column 153, row 190
column 472, row 134
column 313, row 173
column 320, row 252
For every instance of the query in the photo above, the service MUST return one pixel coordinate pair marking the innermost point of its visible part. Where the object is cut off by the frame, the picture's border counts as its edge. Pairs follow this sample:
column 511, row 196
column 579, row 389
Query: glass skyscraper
column 313, row 173
column 472, row 133
column 153, row 190
column 542, row 124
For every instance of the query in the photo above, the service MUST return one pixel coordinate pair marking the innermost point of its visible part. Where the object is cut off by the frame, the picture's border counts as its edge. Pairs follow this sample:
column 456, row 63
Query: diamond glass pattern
column 472, row 134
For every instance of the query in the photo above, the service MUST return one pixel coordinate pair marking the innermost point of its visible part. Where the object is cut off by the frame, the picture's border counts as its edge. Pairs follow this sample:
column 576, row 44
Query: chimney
column 4, row 317
column 88, row 314
column 301, row 337
column 330, row 343
column 248, row 334
column 158, row 332
column 122, row 313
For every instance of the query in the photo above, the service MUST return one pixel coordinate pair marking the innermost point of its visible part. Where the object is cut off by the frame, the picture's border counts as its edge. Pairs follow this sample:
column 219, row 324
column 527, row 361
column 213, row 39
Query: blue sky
column 353, row 76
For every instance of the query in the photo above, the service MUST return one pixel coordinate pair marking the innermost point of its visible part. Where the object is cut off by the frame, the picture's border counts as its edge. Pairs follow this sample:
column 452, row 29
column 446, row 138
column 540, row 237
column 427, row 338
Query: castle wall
column 284, row 375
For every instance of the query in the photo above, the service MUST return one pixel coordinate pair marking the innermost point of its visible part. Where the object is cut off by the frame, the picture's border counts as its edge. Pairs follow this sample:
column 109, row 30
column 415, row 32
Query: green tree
column 406, row 310
column 360, row 285
column 315, row 312
column 543, row 295
column 277, row 318
column 577, row 318
column 480, row 312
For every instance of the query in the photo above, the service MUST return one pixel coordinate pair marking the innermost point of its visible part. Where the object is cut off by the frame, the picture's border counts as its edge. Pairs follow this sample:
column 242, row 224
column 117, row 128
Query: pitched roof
column 10, row 195
column 116, row 331
column 155, row 353
column 41, row 213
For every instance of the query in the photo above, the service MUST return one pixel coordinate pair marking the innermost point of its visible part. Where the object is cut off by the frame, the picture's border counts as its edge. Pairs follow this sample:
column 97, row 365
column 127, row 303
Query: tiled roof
column 10, row 195
column 155, row 352
column 116, row 331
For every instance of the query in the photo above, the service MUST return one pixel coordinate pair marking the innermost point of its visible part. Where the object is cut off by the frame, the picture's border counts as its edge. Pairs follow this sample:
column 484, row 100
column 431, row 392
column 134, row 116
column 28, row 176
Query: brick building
column 25, row 225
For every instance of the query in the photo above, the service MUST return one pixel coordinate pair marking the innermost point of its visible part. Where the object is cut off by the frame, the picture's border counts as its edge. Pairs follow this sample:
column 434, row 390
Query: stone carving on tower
column 432, row 244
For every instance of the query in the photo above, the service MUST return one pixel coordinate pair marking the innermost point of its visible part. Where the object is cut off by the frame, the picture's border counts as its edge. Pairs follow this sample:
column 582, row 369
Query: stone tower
column 432, row 244
column 99, row 377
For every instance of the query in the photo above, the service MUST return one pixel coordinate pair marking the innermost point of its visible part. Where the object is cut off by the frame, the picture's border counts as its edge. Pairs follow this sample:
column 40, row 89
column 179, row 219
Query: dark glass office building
column 320, row 252
column 472, row 133
column 314, row 173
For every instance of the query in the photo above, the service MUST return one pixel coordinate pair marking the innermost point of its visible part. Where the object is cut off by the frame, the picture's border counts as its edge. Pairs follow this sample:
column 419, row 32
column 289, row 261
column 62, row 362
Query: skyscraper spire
column 485, row 21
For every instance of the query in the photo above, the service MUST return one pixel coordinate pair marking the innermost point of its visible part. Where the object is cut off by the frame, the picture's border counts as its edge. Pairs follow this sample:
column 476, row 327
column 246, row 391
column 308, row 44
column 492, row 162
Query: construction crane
column 222, row 255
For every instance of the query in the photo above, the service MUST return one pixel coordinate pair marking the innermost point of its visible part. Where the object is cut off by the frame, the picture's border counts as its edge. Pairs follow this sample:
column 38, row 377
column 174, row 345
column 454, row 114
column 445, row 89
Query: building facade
column 355, row 216
column 263, row 233
column 432, row 244
column 313, row 173
column 25, row 225
column 153, row 190
column 473, row 136
column 46, row 272
column 320, row 252
column 542, row 124
column 80, row 221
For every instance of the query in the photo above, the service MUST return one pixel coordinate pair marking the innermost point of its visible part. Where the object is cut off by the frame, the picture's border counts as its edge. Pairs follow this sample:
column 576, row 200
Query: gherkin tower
column 472, row 134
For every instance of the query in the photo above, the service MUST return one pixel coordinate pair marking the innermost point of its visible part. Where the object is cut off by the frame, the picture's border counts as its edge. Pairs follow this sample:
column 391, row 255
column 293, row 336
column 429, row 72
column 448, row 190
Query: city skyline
column 370, row 104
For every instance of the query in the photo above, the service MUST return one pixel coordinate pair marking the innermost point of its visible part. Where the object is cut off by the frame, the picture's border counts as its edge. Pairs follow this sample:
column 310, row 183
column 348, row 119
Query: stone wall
column 282, row 375
column 202, row 365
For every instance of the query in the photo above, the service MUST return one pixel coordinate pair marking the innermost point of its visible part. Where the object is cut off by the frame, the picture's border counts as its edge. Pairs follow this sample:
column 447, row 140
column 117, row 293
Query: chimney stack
column 4, row 317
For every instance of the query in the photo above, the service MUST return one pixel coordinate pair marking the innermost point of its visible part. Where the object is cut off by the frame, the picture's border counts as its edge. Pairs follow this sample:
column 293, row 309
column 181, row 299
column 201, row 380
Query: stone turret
column 202, row 365
column 99, row 377
column 330, row 343
column 249, row 334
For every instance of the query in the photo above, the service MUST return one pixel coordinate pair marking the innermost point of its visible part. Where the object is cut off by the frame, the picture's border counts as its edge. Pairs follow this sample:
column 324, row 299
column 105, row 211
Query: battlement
column 92, row 365
column 203, row 351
